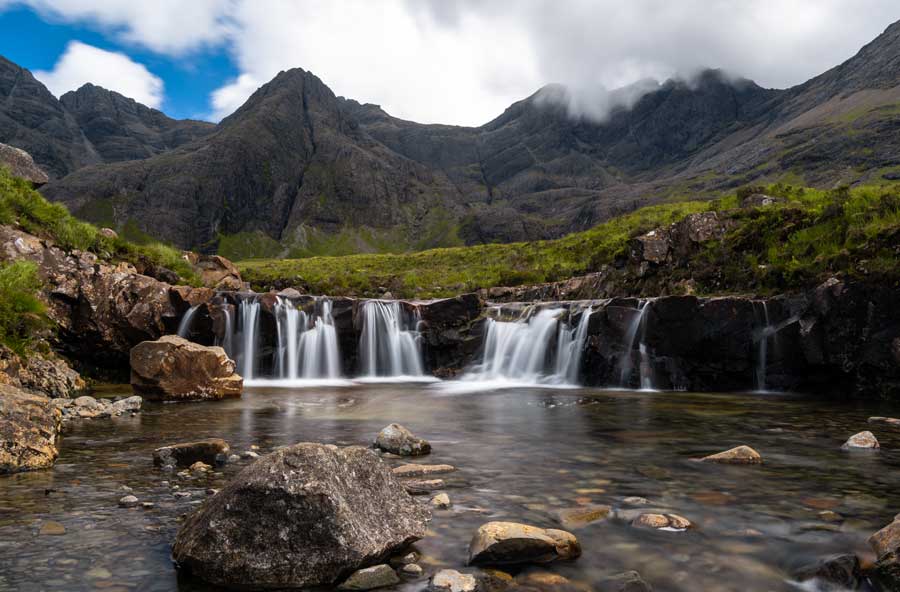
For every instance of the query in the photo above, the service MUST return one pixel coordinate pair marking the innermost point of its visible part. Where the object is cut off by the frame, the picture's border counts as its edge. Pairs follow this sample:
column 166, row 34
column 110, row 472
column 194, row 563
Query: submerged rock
column 29, row 431
column 450, row 580
column 302, row 516
column 423, row 486
column 441, row 501
column 861, row 440
column 740, row 455
column 629, row 581
column 502, row 543
column 413, row 470
column 839, row 572
column 377, row 576
column 129, row 501
column 580, row 517
column 185, row 454
column 892, row 422
column 659, row 521
column 396, row 439
column 175, row 369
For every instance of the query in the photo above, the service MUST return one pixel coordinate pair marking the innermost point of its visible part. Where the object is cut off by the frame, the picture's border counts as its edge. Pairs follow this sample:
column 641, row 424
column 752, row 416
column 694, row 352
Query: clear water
column 523, row 454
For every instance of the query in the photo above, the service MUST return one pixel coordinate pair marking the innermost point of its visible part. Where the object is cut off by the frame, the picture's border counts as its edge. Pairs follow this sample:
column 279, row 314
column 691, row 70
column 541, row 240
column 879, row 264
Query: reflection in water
column 523, row 454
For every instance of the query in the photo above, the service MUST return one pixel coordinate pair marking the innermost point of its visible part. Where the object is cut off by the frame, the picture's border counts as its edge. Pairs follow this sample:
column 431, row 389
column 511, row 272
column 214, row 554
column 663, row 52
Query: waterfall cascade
column 307, row 345
column 635, row 339
column 184, row 326
column 766, row 331
column 521, row 351
column 249, row 310
column 388, row 347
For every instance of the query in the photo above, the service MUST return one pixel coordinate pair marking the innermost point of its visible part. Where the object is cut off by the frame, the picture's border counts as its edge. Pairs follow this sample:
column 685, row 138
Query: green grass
column 27, row 209
column 791, row 245
column 22, row 314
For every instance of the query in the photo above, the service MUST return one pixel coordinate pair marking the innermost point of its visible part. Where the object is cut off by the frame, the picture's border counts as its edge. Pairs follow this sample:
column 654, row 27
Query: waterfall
column 184, row 327
column 304, row 351
column 520, row 351
column 635, row 339
column 386, row 346
column 766, row 330
column 249, row 310
column 569, row 348
column 288, row 320
column 227, row 338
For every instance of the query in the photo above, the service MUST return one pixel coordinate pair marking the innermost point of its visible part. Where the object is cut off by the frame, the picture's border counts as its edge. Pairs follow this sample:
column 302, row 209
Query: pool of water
column 523, row 454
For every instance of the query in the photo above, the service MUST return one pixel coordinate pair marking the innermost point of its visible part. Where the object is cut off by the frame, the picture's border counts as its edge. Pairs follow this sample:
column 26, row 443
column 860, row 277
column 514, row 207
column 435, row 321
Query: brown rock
column 396, row 439
column 658, row 521
column 887, row 540
column 862, row 440
column 502, row 543
column 574, row 518
column 740, row 455
column 175, row 369
column 20, row 164
column 413, row 470
column 423, row 486
column 891, row 422
column 44, row 373
column 215, row 271
column 185, row 454
column 29, row 431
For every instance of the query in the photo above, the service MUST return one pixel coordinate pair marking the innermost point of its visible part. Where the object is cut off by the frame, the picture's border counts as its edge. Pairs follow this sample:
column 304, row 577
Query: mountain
column 89, row 126
column 297, row 170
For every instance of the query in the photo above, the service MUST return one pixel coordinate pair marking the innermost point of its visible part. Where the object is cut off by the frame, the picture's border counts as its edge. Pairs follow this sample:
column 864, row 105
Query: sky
column 433, row 61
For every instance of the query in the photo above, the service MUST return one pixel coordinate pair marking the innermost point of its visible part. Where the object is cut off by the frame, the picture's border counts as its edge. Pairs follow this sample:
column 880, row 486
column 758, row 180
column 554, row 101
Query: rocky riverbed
column 592, row 462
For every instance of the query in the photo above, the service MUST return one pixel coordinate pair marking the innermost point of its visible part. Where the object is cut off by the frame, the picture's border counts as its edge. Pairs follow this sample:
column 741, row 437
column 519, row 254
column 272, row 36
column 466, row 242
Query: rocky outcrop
column 215, row 271
column 41, row 372
column 29, row 431
column 504, row 543
column 20, row 164
column 175, row 369
column 86, row 407
column 886, row 544
column 303, row 516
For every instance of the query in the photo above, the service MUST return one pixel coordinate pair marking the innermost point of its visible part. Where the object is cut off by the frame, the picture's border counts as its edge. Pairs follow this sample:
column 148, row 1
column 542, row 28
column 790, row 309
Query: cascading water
column 227, row 342
column 386, row 346
column 520, row 351
column 306, row 352
column 184, row 327
column 766, row 331
column 249, row 310
column 635, row 336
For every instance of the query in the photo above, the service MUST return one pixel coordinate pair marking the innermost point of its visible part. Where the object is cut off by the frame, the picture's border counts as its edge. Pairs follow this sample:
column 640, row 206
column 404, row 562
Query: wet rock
column 660, row 521
column 187, row 453
column 302, row 516
column 413, row 470
column 396, row 439
column 450, row 580
column 423, row 486
column 502, row 543
column 250, row 454
column 52, row 528
column 175, row 369
column 29, row 431
column 839, row 572
column 233, row 458
column 886, row 541
column 830, row 516
column 740, row 455
column 862, row 440
column 891, row 422
column 128, row 501
column 441, row 501
column 200, row 467
column 370, row 578
column 635, row 501
column 573, row 518
column 126, row 405
column 629, row 581
column 412, row 570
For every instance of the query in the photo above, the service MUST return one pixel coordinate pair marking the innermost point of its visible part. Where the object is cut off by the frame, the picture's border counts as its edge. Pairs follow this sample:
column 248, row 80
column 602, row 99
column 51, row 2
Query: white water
column 306, row 353
column 249, row 310
column 518, row 353
column 388, row 348
column 634, row 336
column 227, row 339
column 766, row 331
column 184, row 327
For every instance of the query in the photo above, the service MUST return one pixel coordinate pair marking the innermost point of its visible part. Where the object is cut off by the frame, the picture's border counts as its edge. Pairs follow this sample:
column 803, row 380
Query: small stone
column 129, row 501
column 580, row 517
column 629, row 581
column 233, row 458
column 148, row 505
column 52, row 528
column 98, row 573
column 182, row 494
column 398, row 440
column 187, row 453
column 413, row 470
column 542, row 580
column 862, row 440
column 250, row 454
column 830, row 516
column 441, row 501
column 411, row 569
column 402, row 560
column 200, row 467
column 635, row 501
column 662, row 521
column 126, row 488
column 254, row 447
column 212, row 491
column 424, row 486
column 503, row 543
column 370, row 578
column 450, row 580
column 740, row 455
column 886, row 421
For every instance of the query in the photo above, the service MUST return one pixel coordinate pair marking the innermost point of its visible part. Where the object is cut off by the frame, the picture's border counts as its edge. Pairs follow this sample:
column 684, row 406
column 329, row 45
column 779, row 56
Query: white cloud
column 81, row 63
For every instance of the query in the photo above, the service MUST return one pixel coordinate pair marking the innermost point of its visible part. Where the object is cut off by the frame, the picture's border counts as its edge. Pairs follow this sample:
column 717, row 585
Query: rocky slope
column 297, row 168
column 88, row 126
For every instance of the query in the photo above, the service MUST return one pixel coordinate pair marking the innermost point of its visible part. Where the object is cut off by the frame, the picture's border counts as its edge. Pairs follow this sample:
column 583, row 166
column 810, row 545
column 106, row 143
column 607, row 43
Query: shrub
column 22, row 314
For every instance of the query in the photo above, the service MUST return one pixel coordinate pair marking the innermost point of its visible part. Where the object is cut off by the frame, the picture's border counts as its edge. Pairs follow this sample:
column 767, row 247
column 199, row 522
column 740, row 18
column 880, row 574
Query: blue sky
column 433, row 61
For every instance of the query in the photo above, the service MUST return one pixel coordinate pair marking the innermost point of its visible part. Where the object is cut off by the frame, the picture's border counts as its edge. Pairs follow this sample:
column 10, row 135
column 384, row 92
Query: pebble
column 182, row 494
column 129, row 501
column 450, row 580
column 412, row 569
column 441, row 501
column 636, row 501
column 662, row 521
column 370, row 578
column 52, row 528
column 233, row 458
column 200, row 467
column 148, row 505
column 249, row 454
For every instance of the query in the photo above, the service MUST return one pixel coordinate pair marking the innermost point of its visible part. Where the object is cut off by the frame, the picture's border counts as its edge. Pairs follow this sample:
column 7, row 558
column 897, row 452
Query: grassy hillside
column 791, row 244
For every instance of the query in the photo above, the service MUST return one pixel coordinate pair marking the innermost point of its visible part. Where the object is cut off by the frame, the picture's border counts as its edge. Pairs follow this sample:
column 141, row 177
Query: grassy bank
column 807, row 234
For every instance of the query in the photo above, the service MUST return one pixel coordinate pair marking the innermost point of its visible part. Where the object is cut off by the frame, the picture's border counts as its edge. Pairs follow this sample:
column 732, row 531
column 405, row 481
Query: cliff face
column 297, row 169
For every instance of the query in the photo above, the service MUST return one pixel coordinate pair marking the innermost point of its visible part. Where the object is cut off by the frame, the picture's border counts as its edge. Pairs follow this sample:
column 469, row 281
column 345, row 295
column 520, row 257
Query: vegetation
column 791, row 244
column 22, row 206
column 22, row 315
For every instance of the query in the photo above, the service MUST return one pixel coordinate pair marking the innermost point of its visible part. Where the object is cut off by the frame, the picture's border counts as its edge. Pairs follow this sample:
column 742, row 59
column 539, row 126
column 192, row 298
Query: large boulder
column 44, row 373
column 306, row 515
column 29, row 431
column 175, row 369
column 505, row 543
column 215, row 271
column 20, row 164
column 886, row 544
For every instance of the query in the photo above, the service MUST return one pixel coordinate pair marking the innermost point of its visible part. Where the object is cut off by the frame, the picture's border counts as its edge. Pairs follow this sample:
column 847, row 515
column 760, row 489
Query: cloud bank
column 81, row 63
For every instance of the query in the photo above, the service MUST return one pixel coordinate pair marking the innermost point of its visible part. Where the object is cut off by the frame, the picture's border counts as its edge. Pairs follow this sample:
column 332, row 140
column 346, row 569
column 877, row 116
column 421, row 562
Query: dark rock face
column 29, row 431
column 303, row 516
column 20, row 164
